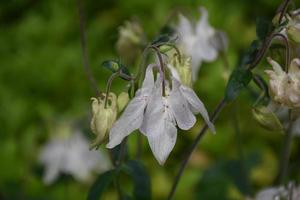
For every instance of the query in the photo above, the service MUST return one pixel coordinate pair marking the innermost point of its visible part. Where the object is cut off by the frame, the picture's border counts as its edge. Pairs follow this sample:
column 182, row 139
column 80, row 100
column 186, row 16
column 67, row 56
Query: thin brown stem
column 108, row 86
column 282, row 9
column 287, row 50
column 184, row 163
column 84, row 50
column 162, row 68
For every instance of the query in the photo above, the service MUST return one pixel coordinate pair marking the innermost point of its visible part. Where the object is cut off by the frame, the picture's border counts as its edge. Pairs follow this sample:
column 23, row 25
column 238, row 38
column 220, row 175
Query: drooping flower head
column 103, row 117
column 158, row 116
column 285, row 86
column 199, row 41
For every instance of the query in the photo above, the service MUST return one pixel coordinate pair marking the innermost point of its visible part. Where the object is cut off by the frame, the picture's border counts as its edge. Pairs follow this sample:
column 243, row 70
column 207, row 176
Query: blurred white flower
column 291, row 192
column 157, row 116
column 199, row 41
column 285, row 87
column 71, row 155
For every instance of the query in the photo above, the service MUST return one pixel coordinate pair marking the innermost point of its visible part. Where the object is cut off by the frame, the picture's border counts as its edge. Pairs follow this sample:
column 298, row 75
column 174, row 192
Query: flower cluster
column 285, row 86
column 157, row 116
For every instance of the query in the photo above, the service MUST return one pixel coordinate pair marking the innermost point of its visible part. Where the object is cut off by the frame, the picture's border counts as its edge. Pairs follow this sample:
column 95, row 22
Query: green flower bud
column 267, row 118
column 123, row 99
column 184, row 70
column 293, row 32
column 103, row 118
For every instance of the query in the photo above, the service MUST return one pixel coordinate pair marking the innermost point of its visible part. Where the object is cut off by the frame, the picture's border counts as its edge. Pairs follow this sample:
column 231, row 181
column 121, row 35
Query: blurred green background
column 42, row 82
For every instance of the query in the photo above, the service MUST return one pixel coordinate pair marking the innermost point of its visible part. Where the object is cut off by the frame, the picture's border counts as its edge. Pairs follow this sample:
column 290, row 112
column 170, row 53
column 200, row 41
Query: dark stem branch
column 86, row 64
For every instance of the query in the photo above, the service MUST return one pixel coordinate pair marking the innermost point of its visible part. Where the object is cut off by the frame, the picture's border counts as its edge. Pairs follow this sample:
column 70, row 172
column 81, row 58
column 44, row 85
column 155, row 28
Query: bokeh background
column 43, row 84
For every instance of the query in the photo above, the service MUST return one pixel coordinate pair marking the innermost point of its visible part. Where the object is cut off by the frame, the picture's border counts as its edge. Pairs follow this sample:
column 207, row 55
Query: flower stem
column 108, row 86
column 184, row 163
column 86, row 65
column 285, row 155
column 287, row 51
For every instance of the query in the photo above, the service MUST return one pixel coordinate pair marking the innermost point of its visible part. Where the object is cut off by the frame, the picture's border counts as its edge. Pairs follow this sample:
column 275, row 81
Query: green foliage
column 101, row 184
column 140, row 178
column 263, row 27
column 238, row 80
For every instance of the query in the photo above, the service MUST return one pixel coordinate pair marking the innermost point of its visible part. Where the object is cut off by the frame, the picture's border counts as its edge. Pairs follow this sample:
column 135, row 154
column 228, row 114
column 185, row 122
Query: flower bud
column 293, row 32
column 267, row 118
column 103, row 118
column 123, row 99
column 184, row 70
column 130, row 38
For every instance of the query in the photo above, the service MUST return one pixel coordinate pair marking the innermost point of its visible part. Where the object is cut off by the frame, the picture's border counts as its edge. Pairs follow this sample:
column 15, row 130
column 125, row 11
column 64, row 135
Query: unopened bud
column 103, row 117
column 123, row 99
column 294, row 33
column 267, row 118
column 184, row 70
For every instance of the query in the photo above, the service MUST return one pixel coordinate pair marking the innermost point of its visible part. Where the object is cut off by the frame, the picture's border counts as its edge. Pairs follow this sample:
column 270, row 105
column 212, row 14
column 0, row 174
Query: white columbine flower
column 157, row 116
column 277, row 193
column 71, row 155
column 197, row 41
column 285, row 87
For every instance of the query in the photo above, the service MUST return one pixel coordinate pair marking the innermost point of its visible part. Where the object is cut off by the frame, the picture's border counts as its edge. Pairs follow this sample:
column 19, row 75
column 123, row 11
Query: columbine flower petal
column 184, row 117
column 196, row 105
column 160, row 127
column 132, row 117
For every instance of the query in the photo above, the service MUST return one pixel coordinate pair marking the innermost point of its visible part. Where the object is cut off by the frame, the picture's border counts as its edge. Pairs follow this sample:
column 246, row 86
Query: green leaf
column 250, row 54
column 101, row 184
column 238, row 80
column 141, row 179
column 263, row 27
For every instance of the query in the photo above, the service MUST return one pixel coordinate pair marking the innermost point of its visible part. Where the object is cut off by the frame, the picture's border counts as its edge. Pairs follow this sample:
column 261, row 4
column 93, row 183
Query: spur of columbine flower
column 157, row 116
column 197, row 41
column 285, row 86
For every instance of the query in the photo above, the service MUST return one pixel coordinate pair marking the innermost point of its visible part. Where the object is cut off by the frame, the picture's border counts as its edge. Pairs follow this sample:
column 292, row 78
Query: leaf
column 250, row 54
column 263, row 27
column 141, row 179
column 100, row 185
column 238, row 80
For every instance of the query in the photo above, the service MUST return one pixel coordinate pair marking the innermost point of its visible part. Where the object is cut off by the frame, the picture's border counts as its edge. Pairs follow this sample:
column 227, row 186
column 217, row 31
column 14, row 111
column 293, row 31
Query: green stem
column 285, row 155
